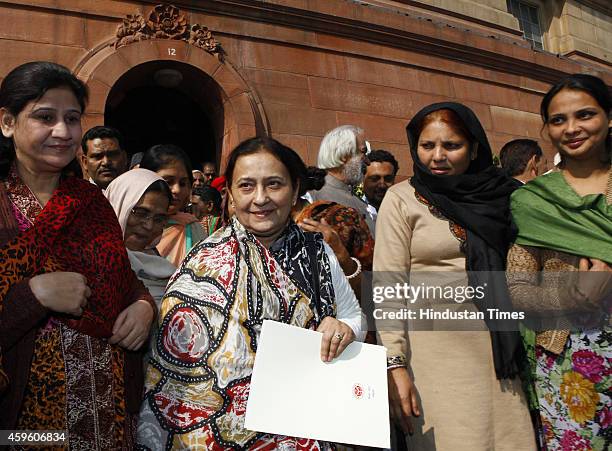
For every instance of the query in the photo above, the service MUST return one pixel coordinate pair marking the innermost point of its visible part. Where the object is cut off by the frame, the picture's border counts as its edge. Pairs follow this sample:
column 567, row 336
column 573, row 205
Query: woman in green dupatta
column 561, row 263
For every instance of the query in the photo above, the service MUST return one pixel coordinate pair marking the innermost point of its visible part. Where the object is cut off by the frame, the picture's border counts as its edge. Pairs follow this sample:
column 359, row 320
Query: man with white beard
column 341, row 154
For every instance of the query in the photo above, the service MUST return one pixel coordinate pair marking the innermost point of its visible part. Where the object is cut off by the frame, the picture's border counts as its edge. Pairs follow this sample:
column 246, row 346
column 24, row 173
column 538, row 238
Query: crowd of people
column 132, row 297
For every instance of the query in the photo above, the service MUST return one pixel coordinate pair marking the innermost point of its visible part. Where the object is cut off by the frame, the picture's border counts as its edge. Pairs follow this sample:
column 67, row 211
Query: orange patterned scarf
column 76, row 231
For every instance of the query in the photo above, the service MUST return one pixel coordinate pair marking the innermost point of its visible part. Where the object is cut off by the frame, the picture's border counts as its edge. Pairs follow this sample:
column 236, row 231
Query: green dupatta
column 550, row 214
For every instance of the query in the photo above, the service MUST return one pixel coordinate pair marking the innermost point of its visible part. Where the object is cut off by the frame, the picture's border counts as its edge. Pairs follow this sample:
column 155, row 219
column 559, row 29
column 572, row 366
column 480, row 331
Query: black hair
column 27, row 83
column 590, row 84
column 314, row 180
column 515, row 155
column 593, row 86
column 208, row 194
column 101, row 132
column 380, row 156
column 160, row 155
column 287, row 156
column 136, row 159
column 159, row 186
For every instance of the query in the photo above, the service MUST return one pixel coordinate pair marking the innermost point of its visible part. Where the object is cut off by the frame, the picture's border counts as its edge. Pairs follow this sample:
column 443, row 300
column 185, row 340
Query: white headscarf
column 125, row 192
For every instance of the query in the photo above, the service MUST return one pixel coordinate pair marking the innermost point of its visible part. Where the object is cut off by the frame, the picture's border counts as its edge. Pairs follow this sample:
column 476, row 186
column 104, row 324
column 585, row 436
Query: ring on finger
column 338, row 336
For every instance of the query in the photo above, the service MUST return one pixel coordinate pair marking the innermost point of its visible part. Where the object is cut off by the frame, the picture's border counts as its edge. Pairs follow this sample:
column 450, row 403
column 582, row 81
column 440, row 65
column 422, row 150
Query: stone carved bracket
column 165, row 22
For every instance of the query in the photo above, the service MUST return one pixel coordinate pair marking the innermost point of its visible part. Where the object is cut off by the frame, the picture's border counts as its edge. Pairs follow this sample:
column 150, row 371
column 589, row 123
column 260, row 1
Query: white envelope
column 294, row 393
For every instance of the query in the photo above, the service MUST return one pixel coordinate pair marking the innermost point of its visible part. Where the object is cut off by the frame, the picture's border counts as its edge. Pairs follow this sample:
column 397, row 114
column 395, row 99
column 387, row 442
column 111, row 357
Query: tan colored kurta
column 463, row 405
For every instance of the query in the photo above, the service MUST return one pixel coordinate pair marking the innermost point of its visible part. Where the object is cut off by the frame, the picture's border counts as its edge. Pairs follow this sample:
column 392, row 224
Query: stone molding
column 427, row 38
column 457, row 15
column 602, row 6
column 165, row 21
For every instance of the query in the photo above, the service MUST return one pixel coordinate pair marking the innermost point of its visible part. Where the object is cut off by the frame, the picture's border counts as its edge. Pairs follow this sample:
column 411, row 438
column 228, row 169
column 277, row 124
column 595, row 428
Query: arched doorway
column 231, row 106
column 168, row 102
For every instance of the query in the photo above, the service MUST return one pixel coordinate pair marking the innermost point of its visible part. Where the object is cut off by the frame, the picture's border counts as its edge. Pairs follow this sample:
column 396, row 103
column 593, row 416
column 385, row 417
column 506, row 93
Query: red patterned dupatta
column 76, row 231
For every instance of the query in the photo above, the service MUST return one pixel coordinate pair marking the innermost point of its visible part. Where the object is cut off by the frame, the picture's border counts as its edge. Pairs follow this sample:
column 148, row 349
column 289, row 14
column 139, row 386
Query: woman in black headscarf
column 451, row 219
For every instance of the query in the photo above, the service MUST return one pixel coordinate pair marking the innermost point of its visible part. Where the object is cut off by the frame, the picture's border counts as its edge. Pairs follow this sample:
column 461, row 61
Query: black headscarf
column 479, row 201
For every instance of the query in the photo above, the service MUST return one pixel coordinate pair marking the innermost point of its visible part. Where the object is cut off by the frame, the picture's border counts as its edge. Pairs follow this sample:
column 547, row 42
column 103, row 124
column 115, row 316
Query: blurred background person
column 379, row 170
column 71, row 309
column 103, row 156
column 218, row 183
column 227, row 210
column 206, row 206
column 198, row 179
column 209, row 171
column 523, row 159
column 183, row 230
column 341, row 155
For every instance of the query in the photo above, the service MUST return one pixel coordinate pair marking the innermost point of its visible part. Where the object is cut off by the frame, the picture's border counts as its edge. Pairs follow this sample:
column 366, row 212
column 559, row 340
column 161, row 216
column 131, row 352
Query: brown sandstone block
column 289, row 119
column 293, row 59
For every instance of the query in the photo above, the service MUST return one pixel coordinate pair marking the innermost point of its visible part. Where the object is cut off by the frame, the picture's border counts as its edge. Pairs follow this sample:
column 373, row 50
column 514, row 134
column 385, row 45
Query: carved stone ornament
column 164, row 22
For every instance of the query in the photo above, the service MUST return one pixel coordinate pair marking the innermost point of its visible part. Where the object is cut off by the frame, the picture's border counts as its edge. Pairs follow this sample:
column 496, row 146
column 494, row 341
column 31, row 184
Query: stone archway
column 166, row 36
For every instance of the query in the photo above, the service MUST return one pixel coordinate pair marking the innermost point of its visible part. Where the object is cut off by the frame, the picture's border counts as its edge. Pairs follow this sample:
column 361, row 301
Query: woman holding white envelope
column 260, row 266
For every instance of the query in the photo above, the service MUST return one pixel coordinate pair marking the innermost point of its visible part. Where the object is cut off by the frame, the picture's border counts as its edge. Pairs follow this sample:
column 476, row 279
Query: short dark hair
column 381, row 156
column 160, row 186
column 101, row 132
column 208, row 194
column 515, row 155
column 161, row 155
column 29, row 82
column 287, row 156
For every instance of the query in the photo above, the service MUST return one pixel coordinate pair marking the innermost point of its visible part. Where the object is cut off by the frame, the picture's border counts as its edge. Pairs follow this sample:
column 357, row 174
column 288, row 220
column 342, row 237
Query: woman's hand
column 62, row 292
column 336, row 337
column 403, row 398
column 131, row 328
column 593, row 264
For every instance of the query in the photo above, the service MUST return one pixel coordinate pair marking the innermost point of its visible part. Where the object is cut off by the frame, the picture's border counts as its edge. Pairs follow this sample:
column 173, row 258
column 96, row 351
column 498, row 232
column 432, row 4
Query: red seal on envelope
column 357, row 391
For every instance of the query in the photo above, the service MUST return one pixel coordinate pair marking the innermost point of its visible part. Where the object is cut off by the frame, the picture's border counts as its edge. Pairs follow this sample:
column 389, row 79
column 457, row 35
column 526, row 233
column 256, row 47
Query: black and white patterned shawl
column 290, row 250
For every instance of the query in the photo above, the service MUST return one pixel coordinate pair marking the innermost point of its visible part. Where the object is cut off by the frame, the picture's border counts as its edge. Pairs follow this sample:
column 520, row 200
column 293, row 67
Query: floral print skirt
column 574, row 393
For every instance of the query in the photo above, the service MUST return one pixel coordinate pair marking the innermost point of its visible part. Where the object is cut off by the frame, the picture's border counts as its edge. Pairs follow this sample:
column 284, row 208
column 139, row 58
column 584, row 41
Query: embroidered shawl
column 198, row 378
column 76, row 231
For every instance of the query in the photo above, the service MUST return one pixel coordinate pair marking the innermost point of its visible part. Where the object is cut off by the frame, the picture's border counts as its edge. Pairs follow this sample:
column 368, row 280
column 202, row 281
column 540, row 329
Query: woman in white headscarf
column 141, row 199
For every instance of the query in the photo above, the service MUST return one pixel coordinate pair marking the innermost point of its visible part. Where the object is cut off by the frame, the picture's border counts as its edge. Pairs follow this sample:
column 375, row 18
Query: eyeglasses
column 143, row 215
